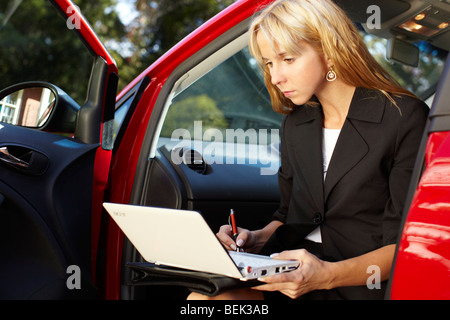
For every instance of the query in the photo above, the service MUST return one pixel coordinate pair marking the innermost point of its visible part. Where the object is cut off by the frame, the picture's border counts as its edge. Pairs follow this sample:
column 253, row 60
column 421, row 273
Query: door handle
column 7, row 157
column 24, row 159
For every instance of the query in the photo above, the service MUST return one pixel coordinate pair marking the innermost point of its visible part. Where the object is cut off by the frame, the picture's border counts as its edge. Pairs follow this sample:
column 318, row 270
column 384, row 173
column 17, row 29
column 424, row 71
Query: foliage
column 160, row 24
column 195, row 108
column 35, row 43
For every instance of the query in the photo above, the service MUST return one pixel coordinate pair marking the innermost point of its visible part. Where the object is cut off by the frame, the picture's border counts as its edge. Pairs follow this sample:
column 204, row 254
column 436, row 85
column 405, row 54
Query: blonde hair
column 324, row 26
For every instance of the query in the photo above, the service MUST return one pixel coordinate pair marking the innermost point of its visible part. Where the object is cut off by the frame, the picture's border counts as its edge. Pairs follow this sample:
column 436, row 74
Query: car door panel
column 52, row 186
column 46, row 226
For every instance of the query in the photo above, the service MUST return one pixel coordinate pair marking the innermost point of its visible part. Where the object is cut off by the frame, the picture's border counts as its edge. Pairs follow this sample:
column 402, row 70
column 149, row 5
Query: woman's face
column 298, row 76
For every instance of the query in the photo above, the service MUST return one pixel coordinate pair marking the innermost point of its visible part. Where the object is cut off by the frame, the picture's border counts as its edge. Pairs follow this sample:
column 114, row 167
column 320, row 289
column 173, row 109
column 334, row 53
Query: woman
column 348, row 147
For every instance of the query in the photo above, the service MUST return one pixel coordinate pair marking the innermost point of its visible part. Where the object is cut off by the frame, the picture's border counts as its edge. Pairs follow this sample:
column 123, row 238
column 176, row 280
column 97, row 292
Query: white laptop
column 183, row 239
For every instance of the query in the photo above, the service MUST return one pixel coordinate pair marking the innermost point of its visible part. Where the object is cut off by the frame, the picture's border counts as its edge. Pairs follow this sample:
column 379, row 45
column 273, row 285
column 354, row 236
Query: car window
column 121, row 111
column 227, row 116
column 421, row 80
column 37, row 44
column 232, row 96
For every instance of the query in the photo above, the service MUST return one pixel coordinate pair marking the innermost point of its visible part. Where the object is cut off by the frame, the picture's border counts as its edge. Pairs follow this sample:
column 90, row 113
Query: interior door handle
column 24, row 159
column 7, row 157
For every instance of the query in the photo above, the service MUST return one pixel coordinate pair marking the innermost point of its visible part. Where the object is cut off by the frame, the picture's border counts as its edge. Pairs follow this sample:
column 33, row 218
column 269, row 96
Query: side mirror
column 402, row 52
column 38, row 105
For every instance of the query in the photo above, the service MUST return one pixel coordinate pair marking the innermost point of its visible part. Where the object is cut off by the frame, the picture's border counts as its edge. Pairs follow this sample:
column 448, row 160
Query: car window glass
column 420, row 80
column 122, row 108
column 227, row 115
column 36, row 44
column 231, row 96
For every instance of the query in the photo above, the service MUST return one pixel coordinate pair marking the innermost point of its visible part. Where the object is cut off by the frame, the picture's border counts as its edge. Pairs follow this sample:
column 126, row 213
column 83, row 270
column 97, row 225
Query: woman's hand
column 246, row 239
column 311, row 274
column 249, row 241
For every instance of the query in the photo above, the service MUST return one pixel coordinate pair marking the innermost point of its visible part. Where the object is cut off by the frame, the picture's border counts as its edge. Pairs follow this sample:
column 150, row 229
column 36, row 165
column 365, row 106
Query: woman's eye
column 289, row 60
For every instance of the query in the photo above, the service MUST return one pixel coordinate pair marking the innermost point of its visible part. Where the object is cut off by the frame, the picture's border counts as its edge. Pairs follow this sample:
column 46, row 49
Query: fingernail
column 240, row 242
column 233, row 247
column 273, row 255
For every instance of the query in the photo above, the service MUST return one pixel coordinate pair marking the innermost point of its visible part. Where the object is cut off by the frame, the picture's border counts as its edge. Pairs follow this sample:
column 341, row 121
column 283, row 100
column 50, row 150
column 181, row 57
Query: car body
column 136, row 147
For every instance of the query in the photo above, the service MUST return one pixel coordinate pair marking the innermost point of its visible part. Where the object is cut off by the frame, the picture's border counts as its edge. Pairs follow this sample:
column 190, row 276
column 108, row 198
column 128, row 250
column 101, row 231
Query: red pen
column 234, row 227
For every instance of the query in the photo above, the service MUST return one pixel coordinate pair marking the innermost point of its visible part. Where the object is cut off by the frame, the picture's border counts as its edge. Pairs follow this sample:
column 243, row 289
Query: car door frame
column 97, row 115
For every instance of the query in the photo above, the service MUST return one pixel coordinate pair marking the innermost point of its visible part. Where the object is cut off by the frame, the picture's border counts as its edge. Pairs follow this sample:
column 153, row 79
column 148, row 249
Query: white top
column 329, row 139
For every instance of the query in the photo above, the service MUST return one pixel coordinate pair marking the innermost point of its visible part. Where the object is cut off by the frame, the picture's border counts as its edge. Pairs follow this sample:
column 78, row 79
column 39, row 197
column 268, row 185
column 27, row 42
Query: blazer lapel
column 366, row 106
column 349, row 150
column 308, row 150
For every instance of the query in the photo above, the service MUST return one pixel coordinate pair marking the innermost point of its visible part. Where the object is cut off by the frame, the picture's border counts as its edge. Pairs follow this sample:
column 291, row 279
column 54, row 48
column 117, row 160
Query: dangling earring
column 331, row 75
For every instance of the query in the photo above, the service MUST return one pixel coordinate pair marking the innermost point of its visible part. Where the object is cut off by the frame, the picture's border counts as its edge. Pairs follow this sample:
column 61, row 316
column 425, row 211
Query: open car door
column 54, row 155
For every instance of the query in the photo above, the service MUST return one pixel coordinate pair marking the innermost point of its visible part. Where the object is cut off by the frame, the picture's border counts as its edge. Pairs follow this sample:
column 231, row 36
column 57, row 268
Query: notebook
column 183, row 239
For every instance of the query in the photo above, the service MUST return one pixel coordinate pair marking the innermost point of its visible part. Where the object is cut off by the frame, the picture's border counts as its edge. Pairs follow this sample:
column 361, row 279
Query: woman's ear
column 328, row 62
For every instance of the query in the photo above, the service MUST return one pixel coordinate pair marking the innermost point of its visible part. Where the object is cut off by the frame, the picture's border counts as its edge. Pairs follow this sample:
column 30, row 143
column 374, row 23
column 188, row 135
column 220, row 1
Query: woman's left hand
column 311, row 274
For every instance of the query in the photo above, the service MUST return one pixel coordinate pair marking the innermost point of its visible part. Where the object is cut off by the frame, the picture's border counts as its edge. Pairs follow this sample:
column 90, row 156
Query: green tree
column 160, row 24
column 183, row 113
column 35, row 43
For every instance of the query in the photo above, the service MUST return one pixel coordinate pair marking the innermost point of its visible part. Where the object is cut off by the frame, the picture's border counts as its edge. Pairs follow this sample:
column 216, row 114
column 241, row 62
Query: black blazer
column 359, row 205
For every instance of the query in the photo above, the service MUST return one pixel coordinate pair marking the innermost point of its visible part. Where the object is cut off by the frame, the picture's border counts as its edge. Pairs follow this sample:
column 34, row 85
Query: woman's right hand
column 246, row 239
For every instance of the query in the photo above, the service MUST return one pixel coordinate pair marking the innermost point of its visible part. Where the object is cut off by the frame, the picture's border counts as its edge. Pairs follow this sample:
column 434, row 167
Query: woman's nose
column 276, row 75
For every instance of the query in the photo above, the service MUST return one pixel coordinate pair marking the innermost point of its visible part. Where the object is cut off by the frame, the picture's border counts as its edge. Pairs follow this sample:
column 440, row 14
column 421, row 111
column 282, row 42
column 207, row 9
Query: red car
column 62, row 156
